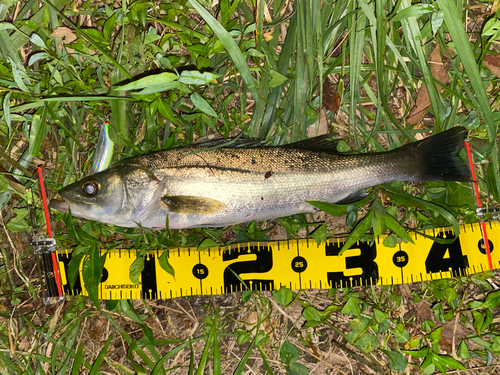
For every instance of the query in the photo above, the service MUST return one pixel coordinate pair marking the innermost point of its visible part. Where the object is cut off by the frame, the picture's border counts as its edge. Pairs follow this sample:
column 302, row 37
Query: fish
column 214, row 185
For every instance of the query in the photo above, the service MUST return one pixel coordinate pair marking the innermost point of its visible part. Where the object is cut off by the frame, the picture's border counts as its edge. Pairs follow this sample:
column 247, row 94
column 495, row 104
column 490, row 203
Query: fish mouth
column 62, row 205
column 59, row 205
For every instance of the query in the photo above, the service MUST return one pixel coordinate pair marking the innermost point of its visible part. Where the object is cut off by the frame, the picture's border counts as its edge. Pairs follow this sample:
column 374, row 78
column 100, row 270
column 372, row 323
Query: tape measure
column 295, row 264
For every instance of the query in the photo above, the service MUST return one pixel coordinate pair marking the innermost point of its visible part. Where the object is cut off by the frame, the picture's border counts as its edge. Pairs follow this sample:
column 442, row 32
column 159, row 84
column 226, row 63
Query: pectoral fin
column 185, row 204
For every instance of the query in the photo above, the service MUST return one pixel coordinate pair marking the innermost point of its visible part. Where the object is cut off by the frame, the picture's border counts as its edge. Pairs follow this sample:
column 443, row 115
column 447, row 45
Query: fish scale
column 201, row 186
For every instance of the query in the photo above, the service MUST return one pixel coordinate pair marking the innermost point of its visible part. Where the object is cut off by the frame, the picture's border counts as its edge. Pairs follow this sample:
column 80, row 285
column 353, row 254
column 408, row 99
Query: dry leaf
column 405, row 290
column 492, row 62
column 269, row 35
column 452, row 333
column 422, row 310
column 252, row 318
column 267, row 14
column 440, row 73
column 331, row 98
column 494, row 7
column 67, row 35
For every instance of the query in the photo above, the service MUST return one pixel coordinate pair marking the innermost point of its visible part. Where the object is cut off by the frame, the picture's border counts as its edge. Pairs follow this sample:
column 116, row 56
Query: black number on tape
column 263, row 263
column 104, row 275
column 482, row 248
column 148, row 278
column 200, row 271
column 447, row 257
column 299, row 264
column 400, row 258
column 77, row 288
column 365, row 261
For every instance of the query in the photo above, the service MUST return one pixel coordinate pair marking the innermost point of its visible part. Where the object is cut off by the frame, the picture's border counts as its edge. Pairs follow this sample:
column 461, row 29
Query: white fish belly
column 249, row 197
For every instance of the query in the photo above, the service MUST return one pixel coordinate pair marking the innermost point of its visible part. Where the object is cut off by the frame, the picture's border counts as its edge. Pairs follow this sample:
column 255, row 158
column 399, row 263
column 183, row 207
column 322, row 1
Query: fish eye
column 90, row 188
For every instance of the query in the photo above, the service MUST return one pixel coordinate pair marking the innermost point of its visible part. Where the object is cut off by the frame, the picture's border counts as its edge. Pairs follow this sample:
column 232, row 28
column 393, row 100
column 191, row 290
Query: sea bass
column 203, row 186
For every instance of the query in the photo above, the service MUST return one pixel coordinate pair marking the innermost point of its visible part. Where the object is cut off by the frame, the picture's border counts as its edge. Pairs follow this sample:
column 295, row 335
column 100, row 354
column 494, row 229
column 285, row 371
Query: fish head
column 118, row 195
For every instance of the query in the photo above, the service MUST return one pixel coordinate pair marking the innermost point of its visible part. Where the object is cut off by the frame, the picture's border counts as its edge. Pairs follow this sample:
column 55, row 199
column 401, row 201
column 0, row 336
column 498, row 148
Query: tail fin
column 438, row 158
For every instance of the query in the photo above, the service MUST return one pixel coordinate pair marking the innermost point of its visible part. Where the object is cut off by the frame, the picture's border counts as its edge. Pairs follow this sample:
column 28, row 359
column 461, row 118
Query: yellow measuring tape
column 295, row 264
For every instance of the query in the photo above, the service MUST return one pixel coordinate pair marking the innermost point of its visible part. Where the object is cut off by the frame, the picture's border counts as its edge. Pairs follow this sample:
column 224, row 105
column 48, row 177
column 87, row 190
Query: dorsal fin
column 230, row 143
column 321, row 143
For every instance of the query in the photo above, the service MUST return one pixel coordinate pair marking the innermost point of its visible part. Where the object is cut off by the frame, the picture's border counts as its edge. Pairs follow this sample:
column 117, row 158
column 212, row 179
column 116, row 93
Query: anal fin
column 354, row 197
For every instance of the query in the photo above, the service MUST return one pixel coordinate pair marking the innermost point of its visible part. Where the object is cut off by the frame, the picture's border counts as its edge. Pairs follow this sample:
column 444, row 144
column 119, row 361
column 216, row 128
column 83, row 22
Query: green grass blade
column 409, row 200
column 211, row 340
column 97, row 364
column 264, row 360
column 356, row 41
column 68, row 339
column 244, row 360
column 84, row 35
column 47, row 336
column 215, row 340
column 19, row 39
column 142, row 354
column 24, row 107
column 414, row 36
column 232, row 49
column 358, row 232
column 78, row 360
column 302, row 63
column 463, row 49
column 24, row 161
column 191, row 359
column 83, row 98
column 37, row 131
column 159, row 365
column 204, row 356
column 271, row 117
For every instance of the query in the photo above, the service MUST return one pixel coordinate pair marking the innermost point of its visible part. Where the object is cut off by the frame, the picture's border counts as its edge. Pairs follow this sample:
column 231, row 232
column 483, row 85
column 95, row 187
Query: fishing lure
column 103, row 151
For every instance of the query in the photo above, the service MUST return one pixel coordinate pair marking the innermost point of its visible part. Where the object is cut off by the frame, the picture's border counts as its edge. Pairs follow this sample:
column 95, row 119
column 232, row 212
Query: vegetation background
column 169, row 73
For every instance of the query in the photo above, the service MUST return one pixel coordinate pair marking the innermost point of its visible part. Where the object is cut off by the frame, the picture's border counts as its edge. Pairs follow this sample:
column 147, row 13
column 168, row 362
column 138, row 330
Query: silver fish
column 202, row 186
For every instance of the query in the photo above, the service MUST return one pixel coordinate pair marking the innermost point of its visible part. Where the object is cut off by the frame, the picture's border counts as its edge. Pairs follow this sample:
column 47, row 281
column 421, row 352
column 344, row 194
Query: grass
column 167, row 74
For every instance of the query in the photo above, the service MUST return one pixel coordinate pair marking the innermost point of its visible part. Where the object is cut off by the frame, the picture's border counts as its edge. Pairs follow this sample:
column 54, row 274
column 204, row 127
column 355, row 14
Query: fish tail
column 438, row 157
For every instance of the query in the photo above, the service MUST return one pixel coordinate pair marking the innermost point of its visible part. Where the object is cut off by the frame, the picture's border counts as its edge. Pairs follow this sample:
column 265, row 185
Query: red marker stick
column 478, row 205
column 49, row 229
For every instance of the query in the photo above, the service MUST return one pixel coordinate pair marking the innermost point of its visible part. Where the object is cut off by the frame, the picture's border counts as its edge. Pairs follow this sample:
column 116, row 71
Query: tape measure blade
column 296, row 264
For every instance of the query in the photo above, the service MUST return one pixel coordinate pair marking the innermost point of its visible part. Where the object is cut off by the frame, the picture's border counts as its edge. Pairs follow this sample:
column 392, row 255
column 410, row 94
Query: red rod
column 57, row 275
column 478, row 205
column 49, row 229
column 44, row 199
